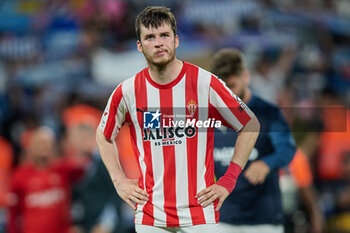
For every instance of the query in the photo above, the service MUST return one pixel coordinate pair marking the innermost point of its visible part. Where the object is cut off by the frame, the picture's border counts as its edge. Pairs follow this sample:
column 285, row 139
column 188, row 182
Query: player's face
column 81, row 138
column 236, row 84
column 158, row 44
column 41, row 148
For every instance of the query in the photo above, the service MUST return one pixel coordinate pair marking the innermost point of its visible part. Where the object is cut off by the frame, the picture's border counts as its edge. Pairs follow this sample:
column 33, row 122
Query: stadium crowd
column 60, row 60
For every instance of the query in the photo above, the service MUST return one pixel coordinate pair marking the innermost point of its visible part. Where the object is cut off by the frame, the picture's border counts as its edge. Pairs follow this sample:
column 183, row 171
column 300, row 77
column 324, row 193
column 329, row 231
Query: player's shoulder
column 266, row 108
column 204, row 76
column 23, row 170
column 263, row 103
column 128, row 84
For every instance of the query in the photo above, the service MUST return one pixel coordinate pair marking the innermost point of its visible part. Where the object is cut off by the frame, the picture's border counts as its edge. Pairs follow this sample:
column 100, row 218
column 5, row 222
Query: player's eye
column 149, row 37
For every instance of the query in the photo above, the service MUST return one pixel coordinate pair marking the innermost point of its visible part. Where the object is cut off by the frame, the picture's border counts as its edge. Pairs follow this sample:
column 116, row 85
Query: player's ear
column 177, row 41
column 139, row 46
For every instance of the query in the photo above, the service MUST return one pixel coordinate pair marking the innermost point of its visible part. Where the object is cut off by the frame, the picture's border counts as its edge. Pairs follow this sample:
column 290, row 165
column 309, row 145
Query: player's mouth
column 161, row 52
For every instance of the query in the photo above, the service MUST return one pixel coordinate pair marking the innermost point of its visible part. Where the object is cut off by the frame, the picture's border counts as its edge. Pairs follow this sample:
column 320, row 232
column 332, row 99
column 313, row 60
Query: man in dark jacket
column 255, row 204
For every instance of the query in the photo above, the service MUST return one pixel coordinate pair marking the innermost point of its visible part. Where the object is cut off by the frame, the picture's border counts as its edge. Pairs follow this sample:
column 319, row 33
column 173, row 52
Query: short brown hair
column 154, row 16
column 227, row 62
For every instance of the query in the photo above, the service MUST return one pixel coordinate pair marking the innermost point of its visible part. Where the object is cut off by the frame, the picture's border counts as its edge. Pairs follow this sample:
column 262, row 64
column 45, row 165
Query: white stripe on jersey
column 247, row 110
column 105, row 115
column 204, row 79
column 129, row 96
column 181, row 164
column 153, row 102
column 225, row 112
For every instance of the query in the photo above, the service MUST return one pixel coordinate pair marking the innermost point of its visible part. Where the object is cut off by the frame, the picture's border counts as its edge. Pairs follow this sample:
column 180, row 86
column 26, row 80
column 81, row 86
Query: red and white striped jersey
column 175, row 158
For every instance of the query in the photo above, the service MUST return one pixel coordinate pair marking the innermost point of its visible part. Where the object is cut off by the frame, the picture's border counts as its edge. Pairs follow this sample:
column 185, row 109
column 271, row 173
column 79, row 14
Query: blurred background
column 61, row 59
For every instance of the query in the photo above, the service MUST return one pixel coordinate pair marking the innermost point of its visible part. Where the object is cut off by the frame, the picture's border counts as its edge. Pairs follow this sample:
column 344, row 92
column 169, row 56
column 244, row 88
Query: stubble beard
column 161, row 65
column 242, row 94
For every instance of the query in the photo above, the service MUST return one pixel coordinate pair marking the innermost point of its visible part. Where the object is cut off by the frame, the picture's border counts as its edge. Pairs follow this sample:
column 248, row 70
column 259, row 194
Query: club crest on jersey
column 192, row 107
column 151, row 120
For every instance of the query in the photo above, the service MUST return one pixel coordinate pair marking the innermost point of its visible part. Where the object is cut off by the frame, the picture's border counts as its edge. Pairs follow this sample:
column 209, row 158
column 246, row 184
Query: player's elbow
column 256, row 124
column 252, row 126
column 100, row 138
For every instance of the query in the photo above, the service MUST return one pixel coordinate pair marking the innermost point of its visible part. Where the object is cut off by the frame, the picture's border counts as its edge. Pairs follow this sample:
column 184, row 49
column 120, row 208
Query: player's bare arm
column 127, row 189
column 257, row 172
column 244, row 145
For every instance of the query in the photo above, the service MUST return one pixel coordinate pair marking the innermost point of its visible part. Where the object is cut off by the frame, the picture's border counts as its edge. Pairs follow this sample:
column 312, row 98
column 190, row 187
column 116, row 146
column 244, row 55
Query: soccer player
column 40, row 189
column 170, row 106
column 255, row 204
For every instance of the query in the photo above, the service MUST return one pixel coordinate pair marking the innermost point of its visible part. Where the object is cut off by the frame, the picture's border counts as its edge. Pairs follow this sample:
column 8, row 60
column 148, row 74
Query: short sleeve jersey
column 171, row 129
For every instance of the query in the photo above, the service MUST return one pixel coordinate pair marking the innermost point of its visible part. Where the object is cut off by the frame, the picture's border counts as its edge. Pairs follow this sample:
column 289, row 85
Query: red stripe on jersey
column 166, row 107
column 214, row 113
column 136, row 152
column 168, row 85
column 209, row 164
column 141, row 104
column 113, row 108
column 226, row 96
column 197, row 214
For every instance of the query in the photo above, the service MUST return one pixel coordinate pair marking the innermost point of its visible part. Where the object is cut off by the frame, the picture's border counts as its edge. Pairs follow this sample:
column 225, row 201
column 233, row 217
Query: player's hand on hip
column 210, row 194
column 130, row 192
column 257, row 172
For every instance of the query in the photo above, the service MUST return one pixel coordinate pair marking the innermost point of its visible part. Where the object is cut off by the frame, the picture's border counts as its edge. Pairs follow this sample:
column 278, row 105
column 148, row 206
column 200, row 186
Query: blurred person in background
column 255, row 204
column 103, row 215
column 331, row 163
column 334, row 139
column 301, row 201
column 269, row 75
column 130, row 165
column 95, row 205
column 340, row 219
column 40, row 188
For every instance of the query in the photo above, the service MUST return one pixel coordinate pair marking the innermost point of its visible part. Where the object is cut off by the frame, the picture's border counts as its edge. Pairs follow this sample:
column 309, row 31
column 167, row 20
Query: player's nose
column 158, row 41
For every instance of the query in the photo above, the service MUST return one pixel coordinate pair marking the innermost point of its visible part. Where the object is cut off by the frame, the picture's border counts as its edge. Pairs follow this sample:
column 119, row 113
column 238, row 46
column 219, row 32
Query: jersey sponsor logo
column 151, row 120
column 45, row 198
column 168, row 133
column 167, row 130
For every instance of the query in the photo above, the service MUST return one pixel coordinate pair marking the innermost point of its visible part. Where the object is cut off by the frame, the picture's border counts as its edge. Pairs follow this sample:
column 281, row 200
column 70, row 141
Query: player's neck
column 167, row 73
column 40, row 165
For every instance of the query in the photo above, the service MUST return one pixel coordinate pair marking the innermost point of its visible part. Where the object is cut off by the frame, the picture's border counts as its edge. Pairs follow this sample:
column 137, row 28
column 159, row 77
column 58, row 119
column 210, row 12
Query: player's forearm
column 244, row 145
column 284, row 147
column 282, row 156
column 246, row 141
column 110, row 157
